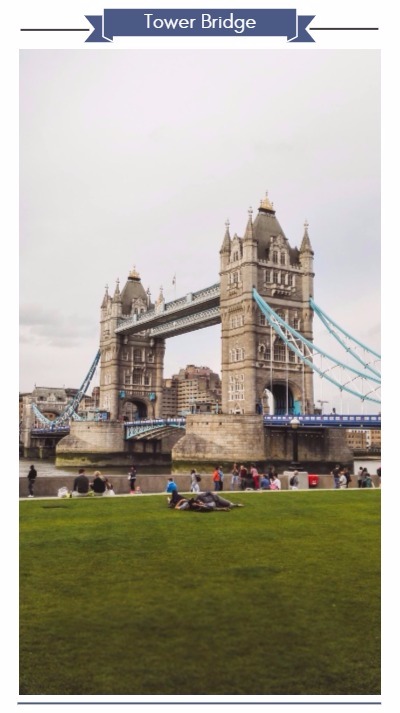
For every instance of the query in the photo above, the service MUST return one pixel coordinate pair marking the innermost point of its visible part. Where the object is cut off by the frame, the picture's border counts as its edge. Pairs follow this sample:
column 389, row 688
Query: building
column 363, row 439
column 194, row 389
column 131, row 367
column 259, row 372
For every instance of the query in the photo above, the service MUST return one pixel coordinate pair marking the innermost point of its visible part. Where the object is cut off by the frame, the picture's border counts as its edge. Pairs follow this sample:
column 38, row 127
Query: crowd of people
column 242, row 478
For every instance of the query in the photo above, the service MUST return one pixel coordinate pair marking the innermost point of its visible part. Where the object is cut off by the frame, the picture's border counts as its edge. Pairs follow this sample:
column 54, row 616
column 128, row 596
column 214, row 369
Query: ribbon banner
column 199, row 23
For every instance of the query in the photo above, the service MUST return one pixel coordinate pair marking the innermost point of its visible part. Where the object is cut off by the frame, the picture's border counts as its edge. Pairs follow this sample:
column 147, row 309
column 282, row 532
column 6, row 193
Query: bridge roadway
column 168, row 319
column 135, row 429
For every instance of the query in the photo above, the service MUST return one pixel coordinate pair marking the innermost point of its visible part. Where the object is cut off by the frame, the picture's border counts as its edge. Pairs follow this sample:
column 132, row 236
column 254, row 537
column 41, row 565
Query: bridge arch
column 134, row 408
column 280, row 398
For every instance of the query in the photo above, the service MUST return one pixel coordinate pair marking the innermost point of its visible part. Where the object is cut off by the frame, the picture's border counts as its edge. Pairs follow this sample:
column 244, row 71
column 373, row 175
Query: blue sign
column 199, row 23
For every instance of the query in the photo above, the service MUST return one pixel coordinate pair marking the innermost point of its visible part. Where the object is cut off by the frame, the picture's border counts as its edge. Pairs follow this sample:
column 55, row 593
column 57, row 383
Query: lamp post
column 294, row 425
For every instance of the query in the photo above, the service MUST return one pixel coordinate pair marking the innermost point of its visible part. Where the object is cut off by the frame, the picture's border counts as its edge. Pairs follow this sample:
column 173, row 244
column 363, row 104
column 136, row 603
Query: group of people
column 202, row 502
column 245, row 478
column 364, row 479
column 342, row 477
column 100, row 485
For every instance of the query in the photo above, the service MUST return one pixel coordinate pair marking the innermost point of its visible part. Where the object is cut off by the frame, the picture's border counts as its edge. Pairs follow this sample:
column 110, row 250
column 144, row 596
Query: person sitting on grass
column 99, row 484
column 81, row 484
column 204, row 502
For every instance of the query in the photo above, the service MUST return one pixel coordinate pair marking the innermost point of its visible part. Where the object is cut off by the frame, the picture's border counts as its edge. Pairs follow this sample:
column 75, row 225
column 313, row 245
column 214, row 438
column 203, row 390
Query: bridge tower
column 131, row 367
column 259, row 372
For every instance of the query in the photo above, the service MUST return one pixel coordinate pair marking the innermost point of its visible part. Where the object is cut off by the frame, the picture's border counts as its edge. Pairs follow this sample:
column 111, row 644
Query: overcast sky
column 137, row 158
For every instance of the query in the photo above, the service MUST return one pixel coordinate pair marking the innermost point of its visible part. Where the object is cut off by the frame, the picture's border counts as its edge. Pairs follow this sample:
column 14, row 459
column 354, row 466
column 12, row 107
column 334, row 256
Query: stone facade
column 255, row 360
column 219, row 440
column 131, row 367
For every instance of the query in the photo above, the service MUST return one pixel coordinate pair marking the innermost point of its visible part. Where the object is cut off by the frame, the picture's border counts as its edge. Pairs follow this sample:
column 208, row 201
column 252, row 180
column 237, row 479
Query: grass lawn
column 122, row 596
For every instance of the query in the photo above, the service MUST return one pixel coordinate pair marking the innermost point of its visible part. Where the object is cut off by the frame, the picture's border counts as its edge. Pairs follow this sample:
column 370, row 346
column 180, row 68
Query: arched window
column 275, row 257
column 283, row 258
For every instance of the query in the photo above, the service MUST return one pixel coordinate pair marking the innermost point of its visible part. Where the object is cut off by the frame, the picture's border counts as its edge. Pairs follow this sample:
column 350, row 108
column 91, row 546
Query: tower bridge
column 265, row 305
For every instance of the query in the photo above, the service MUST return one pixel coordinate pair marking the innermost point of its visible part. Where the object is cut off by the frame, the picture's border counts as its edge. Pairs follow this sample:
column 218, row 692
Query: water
column 48, row 467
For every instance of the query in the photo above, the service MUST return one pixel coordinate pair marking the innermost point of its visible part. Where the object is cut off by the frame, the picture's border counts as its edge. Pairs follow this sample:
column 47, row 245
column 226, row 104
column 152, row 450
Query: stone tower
column 259, row 372
column 131, row 367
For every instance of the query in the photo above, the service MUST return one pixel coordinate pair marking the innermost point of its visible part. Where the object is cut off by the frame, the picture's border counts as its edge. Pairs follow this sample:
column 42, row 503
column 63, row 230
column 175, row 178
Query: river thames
column 48, row 467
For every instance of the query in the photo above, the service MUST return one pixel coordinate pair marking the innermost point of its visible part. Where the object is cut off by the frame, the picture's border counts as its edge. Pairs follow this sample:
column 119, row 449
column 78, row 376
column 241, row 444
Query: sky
column 138, row 157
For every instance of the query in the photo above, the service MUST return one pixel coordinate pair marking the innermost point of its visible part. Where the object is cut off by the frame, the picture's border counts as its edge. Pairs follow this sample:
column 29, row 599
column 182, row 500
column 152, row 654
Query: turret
column 225, row 251
column 306, row 258
column 116, row 308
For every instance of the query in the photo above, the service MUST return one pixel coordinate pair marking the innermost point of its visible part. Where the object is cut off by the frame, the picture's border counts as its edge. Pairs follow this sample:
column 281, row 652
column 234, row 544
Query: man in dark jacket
column 31, row 480
column 81, row 483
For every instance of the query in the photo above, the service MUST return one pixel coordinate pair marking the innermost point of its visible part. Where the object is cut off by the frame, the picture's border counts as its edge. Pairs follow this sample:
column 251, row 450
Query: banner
column 199, row 23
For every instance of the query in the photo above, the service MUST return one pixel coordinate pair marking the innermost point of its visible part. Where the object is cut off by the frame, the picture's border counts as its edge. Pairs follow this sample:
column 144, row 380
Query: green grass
column 123, row 596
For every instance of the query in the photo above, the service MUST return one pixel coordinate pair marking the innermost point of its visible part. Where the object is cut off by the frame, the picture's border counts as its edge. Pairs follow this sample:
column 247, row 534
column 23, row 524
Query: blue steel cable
column 328, row 322
column 271, row 315
column 74, row 403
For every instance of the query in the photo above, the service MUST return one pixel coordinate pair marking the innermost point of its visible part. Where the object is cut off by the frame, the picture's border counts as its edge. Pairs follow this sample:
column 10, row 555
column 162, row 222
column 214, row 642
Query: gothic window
column 275, row 277
column 137, row 355
column 283, row 258
column 236, row 255
column 290, row 280
column 275, row 257
column 292, row 356
column 147, row 380
column 127, row 379
column 262, row 320
column 137, row 377
column 279, row 351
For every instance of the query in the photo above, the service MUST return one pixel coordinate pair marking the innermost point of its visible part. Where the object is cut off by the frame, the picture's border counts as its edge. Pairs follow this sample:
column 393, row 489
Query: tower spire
column 306, row 243
column 248, row 235
column 226, row 243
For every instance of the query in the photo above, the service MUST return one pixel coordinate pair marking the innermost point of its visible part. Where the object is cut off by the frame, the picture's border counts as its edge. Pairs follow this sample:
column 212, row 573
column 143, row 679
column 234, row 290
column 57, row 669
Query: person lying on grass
column 204, row 502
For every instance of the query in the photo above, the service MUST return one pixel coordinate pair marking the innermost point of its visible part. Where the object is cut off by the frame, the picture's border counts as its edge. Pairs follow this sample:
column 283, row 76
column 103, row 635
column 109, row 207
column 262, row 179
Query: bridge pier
column 220, row 439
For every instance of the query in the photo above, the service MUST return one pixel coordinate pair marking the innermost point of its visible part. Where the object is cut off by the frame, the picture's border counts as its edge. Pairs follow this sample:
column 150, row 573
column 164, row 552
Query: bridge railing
column 179, row 421
column 331, row 420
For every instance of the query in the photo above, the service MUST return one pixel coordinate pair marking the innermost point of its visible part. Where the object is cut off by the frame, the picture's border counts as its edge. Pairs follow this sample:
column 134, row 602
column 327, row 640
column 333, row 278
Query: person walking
column 194, row 481
column 336, row 477
column 132, row 478
column 221, row 478
column 235, row 476
column 31, row 480
column 294, row 481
